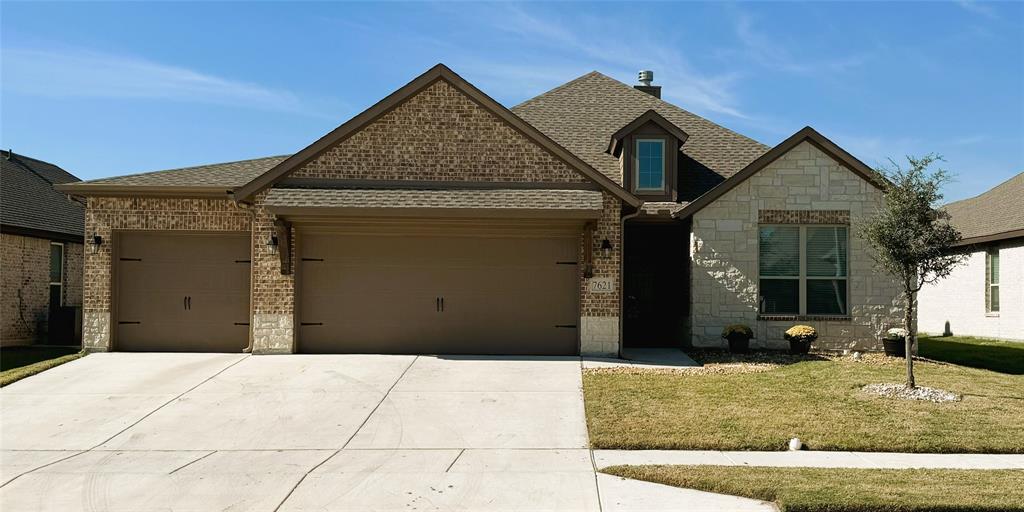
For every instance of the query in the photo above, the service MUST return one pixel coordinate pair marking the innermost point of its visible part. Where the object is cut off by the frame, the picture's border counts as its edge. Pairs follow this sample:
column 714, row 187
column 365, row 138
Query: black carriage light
column 95, row 242
column 272, row 244
column 606, row 248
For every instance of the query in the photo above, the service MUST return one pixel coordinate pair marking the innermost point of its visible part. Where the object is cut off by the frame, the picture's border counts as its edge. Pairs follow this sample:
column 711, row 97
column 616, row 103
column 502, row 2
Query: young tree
column 911, row 237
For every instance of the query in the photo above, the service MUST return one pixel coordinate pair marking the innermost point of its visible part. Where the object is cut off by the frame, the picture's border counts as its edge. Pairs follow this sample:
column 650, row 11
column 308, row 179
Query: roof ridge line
column 991, row 189
column 556, row 88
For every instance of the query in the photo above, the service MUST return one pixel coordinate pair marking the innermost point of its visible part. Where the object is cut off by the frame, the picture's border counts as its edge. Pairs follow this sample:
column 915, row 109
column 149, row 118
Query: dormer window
column 648, row 149
column 649, row 165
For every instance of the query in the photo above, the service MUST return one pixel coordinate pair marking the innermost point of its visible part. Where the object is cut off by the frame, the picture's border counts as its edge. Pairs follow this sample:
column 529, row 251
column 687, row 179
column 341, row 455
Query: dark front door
column 656, row 285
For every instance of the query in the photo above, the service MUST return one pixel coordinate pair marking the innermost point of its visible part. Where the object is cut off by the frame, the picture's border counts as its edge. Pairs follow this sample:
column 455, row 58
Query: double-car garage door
column 441, row 293
column 386, row 291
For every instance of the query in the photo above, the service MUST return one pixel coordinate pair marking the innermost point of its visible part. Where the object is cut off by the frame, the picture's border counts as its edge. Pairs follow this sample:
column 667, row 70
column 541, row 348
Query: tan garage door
column 438, row 294
column 182, row 292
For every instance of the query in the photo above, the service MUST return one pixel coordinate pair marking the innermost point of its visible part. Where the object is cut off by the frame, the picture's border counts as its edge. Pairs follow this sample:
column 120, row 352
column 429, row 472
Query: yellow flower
column 801, row 332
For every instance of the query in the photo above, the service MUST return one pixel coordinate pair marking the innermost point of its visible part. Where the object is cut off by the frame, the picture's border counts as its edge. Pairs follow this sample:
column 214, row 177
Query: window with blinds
column 992, row 280
column 803, row 270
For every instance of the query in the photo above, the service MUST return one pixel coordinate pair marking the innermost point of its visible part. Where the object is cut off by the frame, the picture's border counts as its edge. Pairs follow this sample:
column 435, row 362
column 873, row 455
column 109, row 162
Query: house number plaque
column 601, row 285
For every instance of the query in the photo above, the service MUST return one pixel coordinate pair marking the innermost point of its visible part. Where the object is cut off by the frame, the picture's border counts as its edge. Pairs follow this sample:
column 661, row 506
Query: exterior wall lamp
column 272, row 244
column 94, row 243
column 606, row 248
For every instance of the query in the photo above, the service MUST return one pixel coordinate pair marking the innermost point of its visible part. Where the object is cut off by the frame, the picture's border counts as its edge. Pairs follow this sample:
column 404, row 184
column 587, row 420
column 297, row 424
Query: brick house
column 592, row 218
column 41, row 242
column 985, row 296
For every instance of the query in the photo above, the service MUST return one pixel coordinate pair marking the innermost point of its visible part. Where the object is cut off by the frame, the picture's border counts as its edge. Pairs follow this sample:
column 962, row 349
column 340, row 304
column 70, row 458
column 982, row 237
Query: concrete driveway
column 138, row 432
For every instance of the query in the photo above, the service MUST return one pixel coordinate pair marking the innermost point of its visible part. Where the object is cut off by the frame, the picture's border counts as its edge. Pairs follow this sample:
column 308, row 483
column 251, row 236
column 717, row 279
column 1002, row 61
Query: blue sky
column 112, row 88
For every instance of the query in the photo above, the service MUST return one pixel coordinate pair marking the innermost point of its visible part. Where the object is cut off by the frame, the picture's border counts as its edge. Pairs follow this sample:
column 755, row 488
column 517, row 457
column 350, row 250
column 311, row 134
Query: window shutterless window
column 649, row 164
column 56, row 275
column 992, row 280
column 802, row 270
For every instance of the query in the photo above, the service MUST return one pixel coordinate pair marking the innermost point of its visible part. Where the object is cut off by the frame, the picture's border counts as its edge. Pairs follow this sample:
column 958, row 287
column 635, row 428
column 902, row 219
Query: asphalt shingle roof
column 28, row 200
column 999, row 210
column 581, row 115
column 510, row 199
column 227, row 175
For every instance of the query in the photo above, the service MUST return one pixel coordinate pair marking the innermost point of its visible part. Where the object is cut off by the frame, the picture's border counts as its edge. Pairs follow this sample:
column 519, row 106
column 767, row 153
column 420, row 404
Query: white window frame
column 636, row 165
column 988, row 280
column 60, row 283
column 803, row 277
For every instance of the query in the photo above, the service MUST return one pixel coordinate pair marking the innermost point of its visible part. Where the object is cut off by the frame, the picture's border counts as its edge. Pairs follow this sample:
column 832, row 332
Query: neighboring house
column 985, row 296
column 592, row 218
column 41, row 232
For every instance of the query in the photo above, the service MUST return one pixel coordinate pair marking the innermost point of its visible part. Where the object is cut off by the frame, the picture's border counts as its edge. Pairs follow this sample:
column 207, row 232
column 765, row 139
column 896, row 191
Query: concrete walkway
column 809, row 459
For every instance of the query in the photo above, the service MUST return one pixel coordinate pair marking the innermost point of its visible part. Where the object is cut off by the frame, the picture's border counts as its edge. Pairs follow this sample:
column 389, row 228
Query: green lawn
column 848, row 490
column 16, row 363
column 995, row 355
column 818, row 401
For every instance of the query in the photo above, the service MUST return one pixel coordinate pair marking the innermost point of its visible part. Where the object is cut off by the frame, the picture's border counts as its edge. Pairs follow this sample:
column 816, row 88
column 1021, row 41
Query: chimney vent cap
column 646, row 77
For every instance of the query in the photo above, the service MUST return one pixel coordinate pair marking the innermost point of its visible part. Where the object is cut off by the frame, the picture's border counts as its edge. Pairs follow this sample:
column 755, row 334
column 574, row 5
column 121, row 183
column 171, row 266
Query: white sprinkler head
column 795, row 444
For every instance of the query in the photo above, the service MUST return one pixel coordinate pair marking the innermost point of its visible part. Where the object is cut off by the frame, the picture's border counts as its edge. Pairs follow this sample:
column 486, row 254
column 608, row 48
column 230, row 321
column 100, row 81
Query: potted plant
column 800, row 338
column 739, row 338
column 894, row 342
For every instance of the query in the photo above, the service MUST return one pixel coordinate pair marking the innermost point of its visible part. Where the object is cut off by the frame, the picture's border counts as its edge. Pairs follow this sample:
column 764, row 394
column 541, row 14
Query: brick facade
column 104, row 216
column 803, row 186
column 599, row 311
column 25, row 286
column 439, row 134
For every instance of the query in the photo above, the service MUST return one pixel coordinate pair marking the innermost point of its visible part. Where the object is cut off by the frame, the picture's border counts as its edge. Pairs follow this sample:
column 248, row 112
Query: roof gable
column 807, row 134
column 651, row 116
column 395, row 100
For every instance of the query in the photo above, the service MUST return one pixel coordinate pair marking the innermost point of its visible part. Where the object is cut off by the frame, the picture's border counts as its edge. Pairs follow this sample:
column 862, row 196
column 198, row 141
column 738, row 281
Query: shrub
column 803, row 333
column 737, row 329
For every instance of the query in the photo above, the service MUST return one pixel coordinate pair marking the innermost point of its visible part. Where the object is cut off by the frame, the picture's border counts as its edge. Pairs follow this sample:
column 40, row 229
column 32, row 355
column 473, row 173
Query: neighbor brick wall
column 25, row 286
column 105, row 215
column 724, row 244
column 960, row 298
column 439, row 134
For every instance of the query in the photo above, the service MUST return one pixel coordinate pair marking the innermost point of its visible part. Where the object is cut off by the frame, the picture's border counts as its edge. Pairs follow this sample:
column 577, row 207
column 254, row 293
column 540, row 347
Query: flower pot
column 895, row 347
column 799, row 346
column 738, row 344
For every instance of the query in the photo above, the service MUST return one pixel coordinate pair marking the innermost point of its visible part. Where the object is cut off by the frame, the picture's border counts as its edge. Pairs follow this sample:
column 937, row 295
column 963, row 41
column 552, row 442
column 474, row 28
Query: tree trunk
column 908, row 323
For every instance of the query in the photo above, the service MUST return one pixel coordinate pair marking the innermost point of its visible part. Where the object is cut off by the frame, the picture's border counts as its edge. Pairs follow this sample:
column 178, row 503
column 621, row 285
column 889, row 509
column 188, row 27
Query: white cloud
column 980, row 8
column 594, row 43
column 86, row 74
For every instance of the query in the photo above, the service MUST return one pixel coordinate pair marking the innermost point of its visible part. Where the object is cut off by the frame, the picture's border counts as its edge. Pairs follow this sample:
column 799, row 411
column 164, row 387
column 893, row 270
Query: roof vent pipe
column 646, row 77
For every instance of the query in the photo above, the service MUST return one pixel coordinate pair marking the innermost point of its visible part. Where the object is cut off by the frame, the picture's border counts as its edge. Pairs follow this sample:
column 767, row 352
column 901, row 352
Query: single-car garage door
column 438, row 294
column 182, row 291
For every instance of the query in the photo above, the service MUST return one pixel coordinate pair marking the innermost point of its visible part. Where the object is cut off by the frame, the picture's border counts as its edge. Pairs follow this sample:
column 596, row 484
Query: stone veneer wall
column 599, row 312
column 724, row 244
column 105, row 215
column 25, row 286
column 439, row 134
column 960, row 298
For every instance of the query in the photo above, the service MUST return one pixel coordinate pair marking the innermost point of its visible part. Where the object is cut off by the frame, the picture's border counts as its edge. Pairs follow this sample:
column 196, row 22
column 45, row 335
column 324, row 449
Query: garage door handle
column 565, row 326
column 437, row 304
column 190, row 303
column 184, row 302
column 442, row 304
